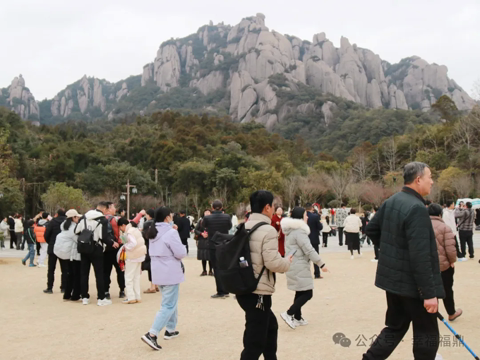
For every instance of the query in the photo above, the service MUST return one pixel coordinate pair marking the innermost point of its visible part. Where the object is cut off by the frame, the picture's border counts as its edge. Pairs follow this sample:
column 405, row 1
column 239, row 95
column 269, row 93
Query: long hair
column 160, row 215
column 67, row 223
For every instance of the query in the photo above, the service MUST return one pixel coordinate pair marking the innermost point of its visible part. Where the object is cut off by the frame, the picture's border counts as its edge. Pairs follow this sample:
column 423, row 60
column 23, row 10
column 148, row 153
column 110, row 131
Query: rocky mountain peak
column 20, row 99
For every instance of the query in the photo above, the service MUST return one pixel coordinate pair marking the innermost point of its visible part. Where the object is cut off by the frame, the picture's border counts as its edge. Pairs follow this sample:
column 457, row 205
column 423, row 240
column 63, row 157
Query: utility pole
column 128, row 186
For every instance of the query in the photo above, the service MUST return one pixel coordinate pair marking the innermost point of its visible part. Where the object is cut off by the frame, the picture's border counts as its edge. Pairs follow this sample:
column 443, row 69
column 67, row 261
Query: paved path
column 333, row 247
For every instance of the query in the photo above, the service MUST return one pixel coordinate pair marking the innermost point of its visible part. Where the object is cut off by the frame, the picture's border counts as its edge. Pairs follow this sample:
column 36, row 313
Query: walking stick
column 456, row 335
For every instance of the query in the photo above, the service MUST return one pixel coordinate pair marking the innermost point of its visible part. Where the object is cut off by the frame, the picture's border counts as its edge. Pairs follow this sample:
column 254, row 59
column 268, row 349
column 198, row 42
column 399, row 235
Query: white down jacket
column 66, row 244
column 299, row 276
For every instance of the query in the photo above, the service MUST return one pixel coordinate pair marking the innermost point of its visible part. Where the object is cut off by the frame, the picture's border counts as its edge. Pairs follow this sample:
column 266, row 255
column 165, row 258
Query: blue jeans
column 167, row 316
column 30, row 254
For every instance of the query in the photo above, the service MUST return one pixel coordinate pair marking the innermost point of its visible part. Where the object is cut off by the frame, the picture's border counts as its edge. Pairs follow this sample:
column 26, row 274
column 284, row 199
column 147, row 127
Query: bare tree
column 360, row 165
column 374, row 193
column 338, row 181
column 290, row 189
column 476, row 90
column 311, row 187
column 435, row 193
column 390, row 153
column 462, row 186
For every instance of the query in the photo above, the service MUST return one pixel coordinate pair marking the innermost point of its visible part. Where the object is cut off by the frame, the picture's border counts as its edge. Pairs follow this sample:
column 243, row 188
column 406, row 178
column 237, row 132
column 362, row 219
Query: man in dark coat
column 222, row 223
column 315, row 226
column 53, row 229
column 13, row 236
column 408, row 267
column 183, row 227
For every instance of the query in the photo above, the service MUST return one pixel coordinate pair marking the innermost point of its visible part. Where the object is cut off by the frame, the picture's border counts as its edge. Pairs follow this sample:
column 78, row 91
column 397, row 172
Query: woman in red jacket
column 276, row 218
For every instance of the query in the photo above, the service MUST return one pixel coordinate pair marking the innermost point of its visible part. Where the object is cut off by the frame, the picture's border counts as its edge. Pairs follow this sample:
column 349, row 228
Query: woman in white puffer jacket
column 299, row 276
column 70, row 260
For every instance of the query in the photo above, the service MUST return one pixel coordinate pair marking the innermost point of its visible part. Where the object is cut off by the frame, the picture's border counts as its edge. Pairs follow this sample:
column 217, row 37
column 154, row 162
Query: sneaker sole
column 285, row 319
column 149, row 343
column 170, row 337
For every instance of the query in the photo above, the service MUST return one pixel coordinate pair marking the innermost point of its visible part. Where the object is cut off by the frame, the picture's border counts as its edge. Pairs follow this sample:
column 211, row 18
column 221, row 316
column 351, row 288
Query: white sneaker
column 301, row 322
column 104, row 302
column 290, row 320
column 42, row 265
column 360, row 255
column 463, row 259
column 374, row 260
column 85, row 301
column 438, row 357
column 352, row 257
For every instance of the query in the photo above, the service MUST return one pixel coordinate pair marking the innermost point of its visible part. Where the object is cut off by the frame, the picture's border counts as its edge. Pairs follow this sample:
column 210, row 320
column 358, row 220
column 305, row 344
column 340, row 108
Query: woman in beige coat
column 299, row 276
column 447, row 255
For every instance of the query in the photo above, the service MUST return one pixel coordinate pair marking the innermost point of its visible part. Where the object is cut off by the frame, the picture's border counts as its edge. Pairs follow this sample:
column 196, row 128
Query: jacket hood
column 288, row 225
column 437, row 218
column 42, row 222
column 93, row 214
column 162, row 229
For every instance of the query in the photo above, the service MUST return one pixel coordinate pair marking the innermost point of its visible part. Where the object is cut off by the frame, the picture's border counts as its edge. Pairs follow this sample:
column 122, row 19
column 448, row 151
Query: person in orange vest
column 39, row 229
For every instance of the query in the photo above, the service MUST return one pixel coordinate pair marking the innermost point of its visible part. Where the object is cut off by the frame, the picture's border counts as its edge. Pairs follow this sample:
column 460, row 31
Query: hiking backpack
column 234, row 261
column 86, row 242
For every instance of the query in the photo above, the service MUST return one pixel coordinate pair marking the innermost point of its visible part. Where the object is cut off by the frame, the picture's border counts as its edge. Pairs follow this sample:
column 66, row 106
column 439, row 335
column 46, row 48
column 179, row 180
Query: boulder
column 240, row 80
column 122, row 92
column 167, row 67
column 98, row 98
column 321, row 76
column 147, row 75
column 247, row 101
column 211, row 82
column 374, row 96
column 327, row 110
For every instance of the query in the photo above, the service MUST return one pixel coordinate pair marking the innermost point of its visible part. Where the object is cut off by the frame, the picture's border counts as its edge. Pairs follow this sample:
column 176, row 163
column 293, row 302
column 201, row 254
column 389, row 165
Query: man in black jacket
column 53, row 229
column 315, row 226
column 13, row 236
column 408, row 267
column 222, row 223
column 183, row 227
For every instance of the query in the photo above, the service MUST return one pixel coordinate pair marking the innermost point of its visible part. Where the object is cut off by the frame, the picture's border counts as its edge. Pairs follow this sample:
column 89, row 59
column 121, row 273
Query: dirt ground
column 39, row 326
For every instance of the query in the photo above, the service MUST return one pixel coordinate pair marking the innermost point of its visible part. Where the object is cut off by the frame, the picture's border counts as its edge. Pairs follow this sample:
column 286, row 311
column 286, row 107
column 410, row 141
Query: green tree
column 59, row 195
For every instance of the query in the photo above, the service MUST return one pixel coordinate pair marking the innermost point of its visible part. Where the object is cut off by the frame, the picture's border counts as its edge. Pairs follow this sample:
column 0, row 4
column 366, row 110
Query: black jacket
column 408, row 264
column 53, row 229
column 11, row 223
column 183, row 227
column 217, row 221
column 315, row 226
column 30, row 236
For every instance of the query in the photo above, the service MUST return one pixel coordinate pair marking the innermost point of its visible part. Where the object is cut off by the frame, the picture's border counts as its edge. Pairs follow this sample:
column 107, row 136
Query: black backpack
column 235, row 275
column 85, row 242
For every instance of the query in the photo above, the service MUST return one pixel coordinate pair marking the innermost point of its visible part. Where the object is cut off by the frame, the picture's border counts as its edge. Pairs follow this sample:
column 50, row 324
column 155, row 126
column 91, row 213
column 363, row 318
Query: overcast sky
column 53, row 43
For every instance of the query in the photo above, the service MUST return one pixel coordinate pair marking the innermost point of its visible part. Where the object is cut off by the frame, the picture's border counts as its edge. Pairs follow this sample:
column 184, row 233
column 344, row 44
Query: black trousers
column 185, row 242
column 376, row 250
column 110, row 261
column 325, row 239
column 316, row 269
column 301, row 298
column 73, row 284
column 447, row 278
column 13, row 239
column 96, row 260
column 457, row 247
column 38, row 249
column 401, row 312
column 261, row 328
column 52, row 265
column 213, row 264
column 340, row 236
column 466, row 238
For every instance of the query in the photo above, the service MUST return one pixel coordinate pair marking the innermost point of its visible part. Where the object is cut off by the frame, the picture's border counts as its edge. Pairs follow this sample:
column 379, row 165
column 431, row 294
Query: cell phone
column 291, row 253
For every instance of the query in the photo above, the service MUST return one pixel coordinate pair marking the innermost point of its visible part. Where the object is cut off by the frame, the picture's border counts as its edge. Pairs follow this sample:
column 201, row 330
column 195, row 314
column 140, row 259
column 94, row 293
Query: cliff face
column 18, row 98
column 230, row 70
column 255, row 54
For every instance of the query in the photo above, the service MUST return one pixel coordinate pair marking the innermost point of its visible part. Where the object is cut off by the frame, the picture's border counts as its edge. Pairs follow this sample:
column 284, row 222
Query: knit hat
column 297, row 212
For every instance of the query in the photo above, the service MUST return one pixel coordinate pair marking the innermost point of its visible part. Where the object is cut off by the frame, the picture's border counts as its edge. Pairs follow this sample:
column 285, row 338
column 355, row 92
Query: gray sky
column 53, row 43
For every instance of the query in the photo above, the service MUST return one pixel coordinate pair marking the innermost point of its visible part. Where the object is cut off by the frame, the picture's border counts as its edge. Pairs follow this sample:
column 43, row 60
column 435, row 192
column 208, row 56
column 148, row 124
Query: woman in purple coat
column 166, row 252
